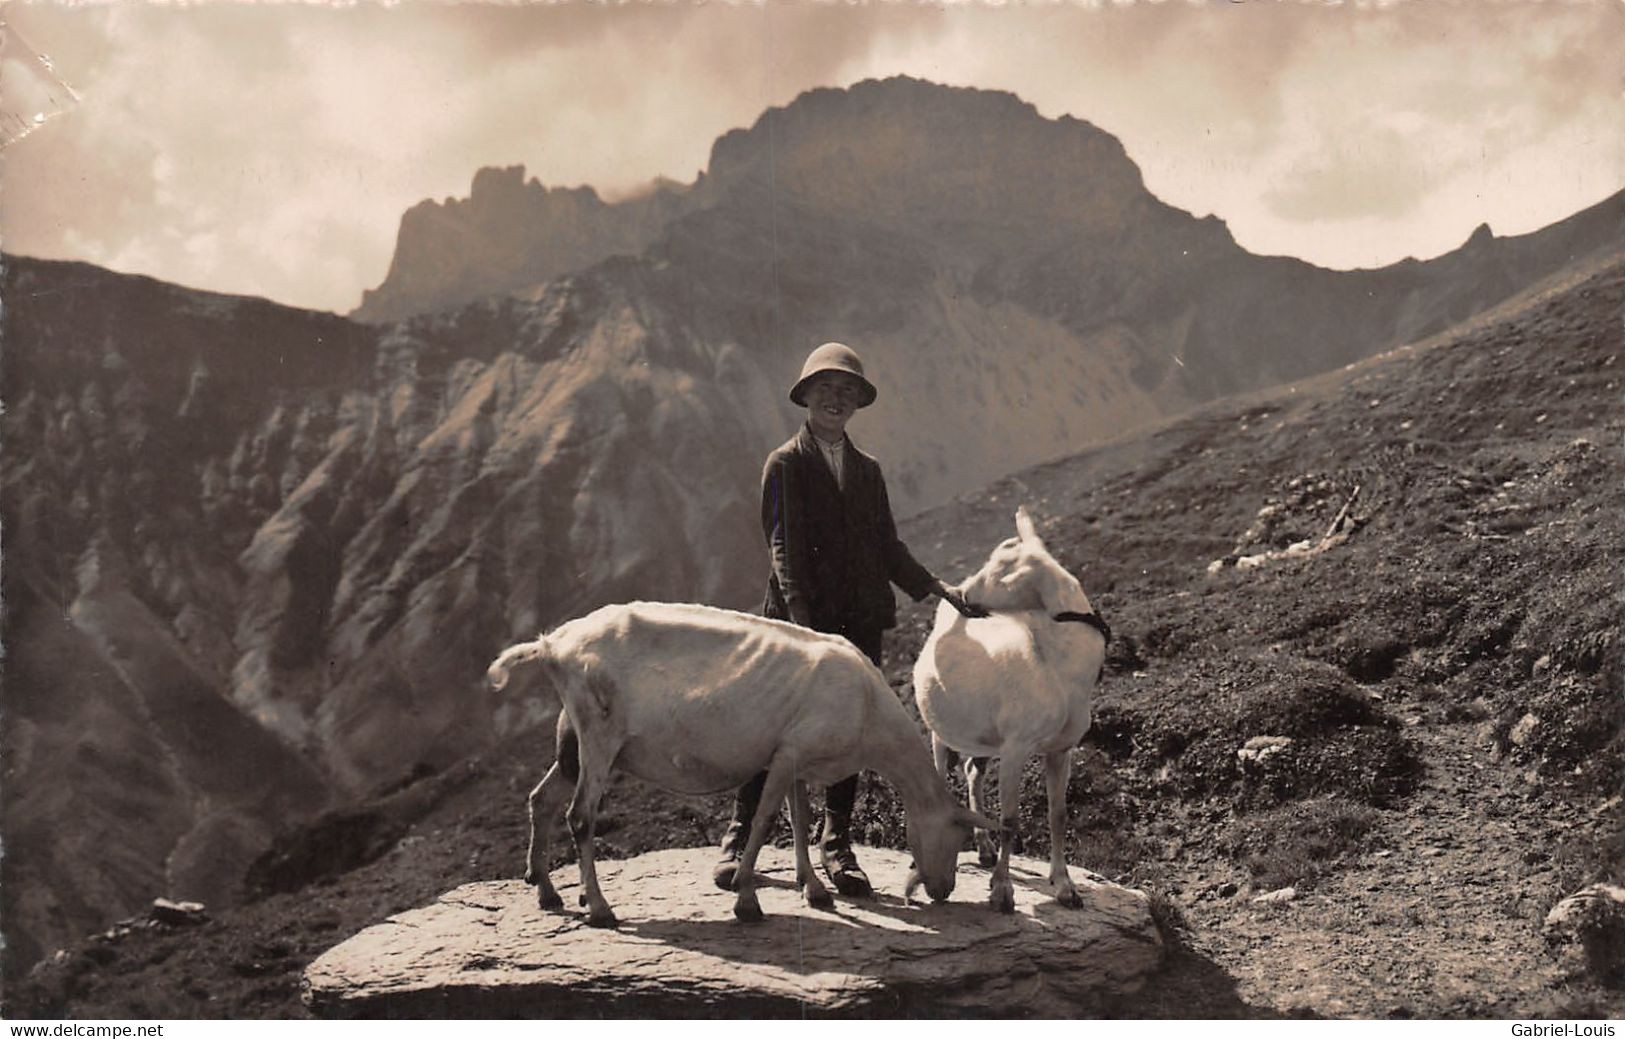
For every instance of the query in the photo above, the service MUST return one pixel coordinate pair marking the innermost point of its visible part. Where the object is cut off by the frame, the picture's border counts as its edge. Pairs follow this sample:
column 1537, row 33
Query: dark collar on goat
column 1093, row 619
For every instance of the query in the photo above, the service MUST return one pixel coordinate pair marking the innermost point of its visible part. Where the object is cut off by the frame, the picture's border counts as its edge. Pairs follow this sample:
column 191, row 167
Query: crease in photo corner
column 32, row 93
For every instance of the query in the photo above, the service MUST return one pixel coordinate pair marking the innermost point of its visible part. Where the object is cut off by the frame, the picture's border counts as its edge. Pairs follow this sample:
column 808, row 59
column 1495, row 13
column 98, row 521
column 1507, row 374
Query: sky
column 270, row 149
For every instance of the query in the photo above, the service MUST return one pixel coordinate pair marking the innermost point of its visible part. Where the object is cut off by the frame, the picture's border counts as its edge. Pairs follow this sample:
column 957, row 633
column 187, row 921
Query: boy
column 835, row 555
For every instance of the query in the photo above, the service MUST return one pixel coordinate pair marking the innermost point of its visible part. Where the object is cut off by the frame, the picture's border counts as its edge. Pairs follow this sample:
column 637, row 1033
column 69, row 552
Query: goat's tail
column 523, row 653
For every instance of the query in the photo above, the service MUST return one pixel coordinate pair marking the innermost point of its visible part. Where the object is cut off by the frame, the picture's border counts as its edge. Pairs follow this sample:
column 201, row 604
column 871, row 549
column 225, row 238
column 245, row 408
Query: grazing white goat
column 1012, row 685
column 700, row 700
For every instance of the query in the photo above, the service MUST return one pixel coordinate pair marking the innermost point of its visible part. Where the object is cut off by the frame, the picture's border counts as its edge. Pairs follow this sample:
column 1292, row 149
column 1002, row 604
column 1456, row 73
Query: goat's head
column 935, row 836
column 1022, row 575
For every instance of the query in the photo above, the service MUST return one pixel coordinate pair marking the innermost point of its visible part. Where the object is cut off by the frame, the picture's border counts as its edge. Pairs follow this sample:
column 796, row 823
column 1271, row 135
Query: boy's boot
column 738, row 832
column 836, row 847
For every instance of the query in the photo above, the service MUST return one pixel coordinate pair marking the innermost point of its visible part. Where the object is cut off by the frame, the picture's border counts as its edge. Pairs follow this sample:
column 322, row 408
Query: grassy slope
column 1426, row 822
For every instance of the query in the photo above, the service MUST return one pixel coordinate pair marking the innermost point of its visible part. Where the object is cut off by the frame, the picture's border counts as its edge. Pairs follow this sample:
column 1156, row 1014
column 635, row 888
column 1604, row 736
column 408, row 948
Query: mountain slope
column 1475, row 591
column 128, row 773
column 283, row 546
column 1018, row 260
column 293, row 541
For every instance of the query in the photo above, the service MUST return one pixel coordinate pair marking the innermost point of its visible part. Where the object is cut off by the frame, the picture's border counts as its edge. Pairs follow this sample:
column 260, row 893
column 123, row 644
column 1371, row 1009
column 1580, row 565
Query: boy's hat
column 832, row 357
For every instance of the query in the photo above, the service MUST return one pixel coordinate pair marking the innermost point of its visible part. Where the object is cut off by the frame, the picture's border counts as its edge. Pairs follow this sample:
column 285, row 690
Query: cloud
column 271, row 149
column 1375, row 173
column 169, row 158
column 1353, row 134
column 1401, row 137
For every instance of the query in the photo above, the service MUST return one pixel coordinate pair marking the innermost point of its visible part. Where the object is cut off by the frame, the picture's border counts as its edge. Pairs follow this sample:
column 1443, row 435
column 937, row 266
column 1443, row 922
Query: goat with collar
column 1014, row 685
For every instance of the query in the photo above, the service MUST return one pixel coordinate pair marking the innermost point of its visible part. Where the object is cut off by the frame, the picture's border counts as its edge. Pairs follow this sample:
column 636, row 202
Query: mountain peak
column 918, row 139
column 490, row 180
column 978, row 169
column 509, row 234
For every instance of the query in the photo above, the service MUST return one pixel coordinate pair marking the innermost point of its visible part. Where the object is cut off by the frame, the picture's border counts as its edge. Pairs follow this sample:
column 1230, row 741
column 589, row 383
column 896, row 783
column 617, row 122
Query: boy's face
column 832, row 398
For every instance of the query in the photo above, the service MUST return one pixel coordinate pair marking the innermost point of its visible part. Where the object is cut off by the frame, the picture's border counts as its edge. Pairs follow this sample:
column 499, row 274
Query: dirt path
column 1441, row 918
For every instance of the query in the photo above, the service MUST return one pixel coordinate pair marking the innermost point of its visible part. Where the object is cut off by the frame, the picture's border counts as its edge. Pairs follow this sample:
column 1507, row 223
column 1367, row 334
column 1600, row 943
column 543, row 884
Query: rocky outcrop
column 509, row 236
column 486, row 950
column 1587, row 930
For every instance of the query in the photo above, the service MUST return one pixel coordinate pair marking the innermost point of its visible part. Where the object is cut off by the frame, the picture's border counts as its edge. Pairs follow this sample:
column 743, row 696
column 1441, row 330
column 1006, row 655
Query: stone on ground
column 1589, row 927
column 487, row 950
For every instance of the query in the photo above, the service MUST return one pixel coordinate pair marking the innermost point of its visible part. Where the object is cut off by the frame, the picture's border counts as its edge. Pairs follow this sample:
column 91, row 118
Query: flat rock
column 487, row 950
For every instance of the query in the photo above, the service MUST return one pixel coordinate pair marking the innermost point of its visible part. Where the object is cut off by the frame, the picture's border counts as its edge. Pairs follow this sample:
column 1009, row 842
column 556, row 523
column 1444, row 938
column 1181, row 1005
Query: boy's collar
column 818, row 440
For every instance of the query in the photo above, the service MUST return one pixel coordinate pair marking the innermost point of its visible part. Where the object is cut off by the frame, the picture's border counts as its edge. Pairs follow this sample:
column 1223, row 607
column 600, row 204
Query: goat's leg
column 583, row 821
column 813, row 889
column 939, row 755
column 1057, row 770
column 746, row 907
column 976, row 785
column 1002, row 893
column 545, row 802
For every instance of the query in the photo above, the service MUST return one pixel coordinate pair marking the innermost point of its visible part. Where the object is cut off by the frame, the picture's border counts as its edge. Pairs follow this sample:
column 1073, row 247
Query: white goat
column 700, row 700
column 1012, row 685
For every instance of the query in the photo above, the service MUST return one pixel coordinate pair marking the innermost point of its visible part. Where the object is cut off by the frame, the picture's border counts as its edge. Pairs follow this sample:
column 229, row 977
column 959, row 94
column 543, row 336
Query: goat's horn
column 1025, row 525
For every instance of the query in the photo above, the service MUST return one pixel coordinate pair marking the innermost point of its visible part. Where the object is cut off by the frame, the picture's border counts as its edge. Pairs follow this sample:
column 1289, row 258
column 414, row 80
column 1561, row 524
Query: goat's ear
column 1024, row 524
column 1017, row 577
column 1051, row 586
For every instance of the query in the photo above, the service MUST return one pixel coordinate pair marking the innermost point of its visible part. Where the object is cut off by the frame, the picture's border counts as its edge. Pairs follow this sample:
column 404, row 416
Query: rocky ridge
column 998, row 270
column 508, row 237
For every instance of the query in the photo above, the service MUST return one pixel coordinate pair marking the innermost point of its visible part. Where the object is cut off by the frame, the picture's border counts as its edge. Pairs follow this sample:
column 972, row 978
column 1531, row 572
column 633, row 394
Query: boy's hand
column 954, row 598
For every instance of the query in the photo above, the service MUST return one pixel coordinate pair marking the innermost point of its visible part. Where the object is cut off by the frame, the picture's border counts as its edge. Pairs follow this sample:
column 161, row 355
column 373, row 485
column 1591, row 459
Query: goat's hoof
column 820, row 898
column 601, row 917
column 1003, row 899
column 748, row 912
column 530, row 877
column 987, row 857
column 724, row 872
column 1068, row 896
column 549, row 900
column 851, row 882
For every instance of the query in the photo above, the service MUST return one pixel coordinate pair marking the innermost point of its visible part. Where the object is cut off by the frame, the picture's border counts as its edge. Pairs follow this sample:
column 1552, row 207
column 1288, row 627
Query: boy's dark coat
column 836, row 550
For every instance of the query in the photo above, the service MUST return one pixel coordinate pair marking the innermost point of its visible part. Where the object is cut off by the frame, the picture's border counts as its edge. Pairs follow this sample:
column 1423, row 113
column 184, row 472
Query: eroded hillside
column 1442, row 684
